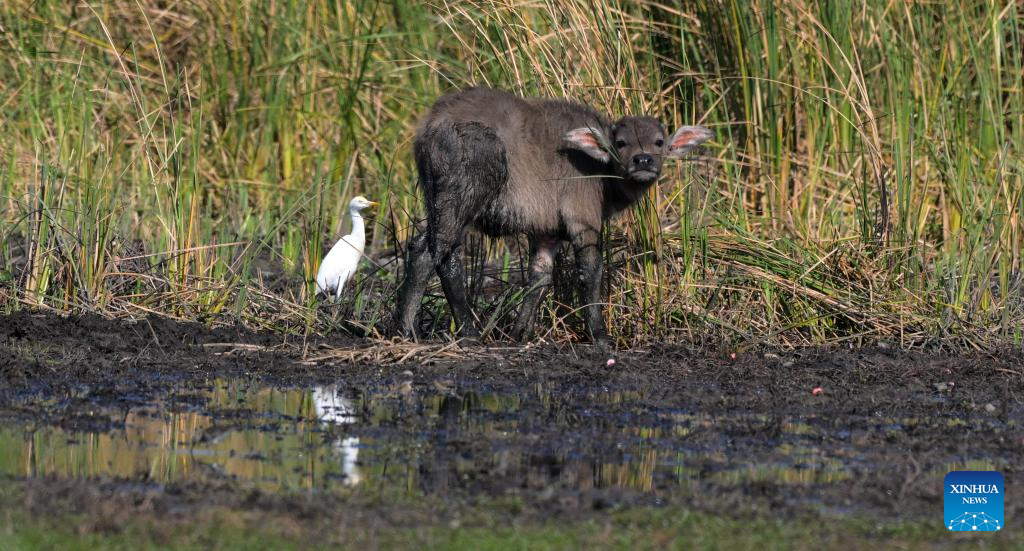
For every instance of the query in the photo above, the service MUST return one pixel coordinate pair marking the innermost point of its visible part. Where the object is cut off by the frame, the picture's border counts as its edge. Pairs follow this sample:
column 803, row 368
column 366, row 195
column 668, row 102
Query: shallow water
column 439, row 439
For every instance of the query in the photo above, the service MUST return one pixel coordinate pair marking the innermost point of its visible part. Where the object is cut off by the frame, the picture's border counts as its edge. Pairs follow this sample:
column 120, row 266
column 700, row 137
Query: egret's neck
column 358, row 228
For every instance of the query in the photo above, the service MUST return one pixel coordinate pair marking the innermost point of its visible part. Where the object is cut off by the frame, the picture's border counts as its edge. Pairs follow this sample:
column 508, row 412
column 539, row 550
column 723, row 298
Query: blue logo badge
column 974, row 501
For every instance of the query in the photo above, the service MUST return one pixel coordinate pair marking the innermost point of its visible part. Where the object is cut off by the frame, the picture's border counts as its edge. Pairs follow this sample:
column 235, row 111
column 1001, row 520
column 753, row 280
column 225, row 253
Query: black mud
column 354, row 431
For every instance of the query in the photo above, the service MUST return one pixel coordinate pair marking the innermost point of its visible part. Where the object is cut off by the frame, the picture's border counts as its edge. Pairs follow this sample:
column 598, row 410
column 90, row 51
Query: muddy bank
column 48, row 351
column 163, row 418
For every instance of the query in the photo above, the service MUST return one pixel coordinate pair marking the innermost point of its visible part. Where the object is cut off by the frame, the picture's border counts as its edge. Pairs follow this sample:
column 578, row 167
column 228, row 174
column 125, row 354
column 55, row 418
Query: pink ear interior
column 584, row 138
column 687, row 138
column 588, row 140
column 684, row 139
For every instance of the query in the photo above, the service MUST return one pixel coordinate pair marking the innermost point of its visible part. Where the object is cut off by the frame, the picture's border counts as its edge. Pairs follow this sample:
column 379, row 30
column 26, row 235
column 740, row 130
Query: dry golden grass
column 193, row 159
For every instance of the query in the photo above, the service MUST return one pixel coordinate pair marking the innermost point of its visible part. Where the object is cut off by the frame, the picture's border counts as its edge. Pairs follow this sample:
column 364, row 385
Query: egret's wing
column 349, row 254
column 339, row 264
column 328, row 271
column 334, row 265
column 323, row 276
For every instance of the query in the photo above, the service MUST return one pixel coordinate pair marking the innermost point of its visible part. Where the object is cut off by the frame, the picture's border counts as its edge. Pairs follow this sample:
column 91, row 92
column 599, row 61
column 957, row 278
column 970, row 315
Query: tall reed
column 194, row 160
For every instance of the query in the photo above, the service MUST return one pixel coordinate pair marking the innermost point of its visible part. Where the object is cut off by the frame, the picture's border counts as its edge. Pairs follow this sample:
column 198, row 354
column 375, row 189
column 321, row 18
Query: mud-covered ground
column 114, row 420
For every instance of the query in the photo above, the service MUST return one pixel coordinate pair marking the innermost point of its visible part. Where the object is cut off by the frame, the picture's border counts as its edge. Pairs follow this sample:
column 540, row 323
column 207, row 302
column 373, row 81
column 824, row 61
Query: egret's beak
column 374, row 203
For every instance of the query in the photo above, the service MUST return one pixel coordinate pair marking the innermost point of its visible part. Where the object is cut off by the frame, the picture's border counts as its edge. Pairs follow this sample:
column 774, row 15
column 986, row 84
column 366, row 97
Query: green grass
column 643, row 528
column 194, row 160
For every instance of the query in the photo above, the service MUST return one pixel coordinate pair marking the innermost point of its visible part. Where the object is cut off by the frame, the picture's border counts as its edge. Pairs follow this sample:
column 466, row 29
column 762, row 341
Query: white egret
column 341, row 262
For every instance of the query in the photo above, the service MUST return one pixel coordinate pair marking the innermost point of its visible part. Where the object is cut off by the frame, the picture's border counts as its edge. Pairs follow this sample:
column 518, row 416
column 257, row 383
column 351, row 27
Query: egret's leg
column 418, row 265
column 542, row 261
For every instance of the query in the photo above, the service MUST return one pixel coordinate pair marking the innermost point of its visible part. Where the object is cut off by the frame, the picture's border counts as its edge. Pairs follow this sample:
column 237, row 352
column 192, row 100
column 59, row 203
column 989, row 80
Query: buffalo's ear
column 687, row 138
column 590, row 141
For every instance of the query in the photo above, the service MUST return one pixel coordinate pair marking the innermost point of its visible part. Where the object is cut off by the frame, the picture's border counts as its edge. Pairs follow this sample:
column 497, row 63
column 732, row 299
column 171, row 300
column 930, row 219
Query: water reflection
column 263, row 436
column 436, row 439
column 333, row 409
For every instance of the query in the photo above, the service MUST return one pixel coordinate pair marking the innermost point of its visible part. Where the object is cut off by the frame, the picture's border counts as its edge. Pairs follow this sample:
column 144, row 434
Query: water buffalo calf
column 554, row 170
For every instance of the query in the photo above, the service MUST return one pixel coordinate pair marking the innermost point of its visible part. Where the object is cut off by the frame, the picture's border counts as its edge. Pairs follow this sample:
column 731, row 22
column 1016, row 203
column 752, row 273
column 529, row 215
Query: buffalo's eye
column 659, row 142
column 620, row 143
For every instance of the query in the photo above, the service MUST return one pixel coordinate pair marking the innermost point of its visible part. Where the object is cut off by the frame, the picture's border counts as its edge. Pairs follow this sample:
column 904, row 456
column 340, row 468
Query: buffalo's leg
column 453, row 280
column 542, row 261
column 461, row 167
column 418, row 265
column 586, row 243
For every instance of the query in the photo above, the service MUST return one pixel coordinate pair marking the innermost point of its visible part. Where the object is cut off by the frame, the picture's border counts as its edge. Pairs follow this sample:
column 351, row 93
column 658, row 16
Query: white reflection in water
column 333, row 409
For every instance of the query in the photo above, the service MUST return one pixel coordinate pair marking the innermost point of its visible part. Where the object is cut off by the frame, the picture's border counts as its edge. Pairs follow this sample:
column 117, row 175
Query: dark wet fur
column 451, row 160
